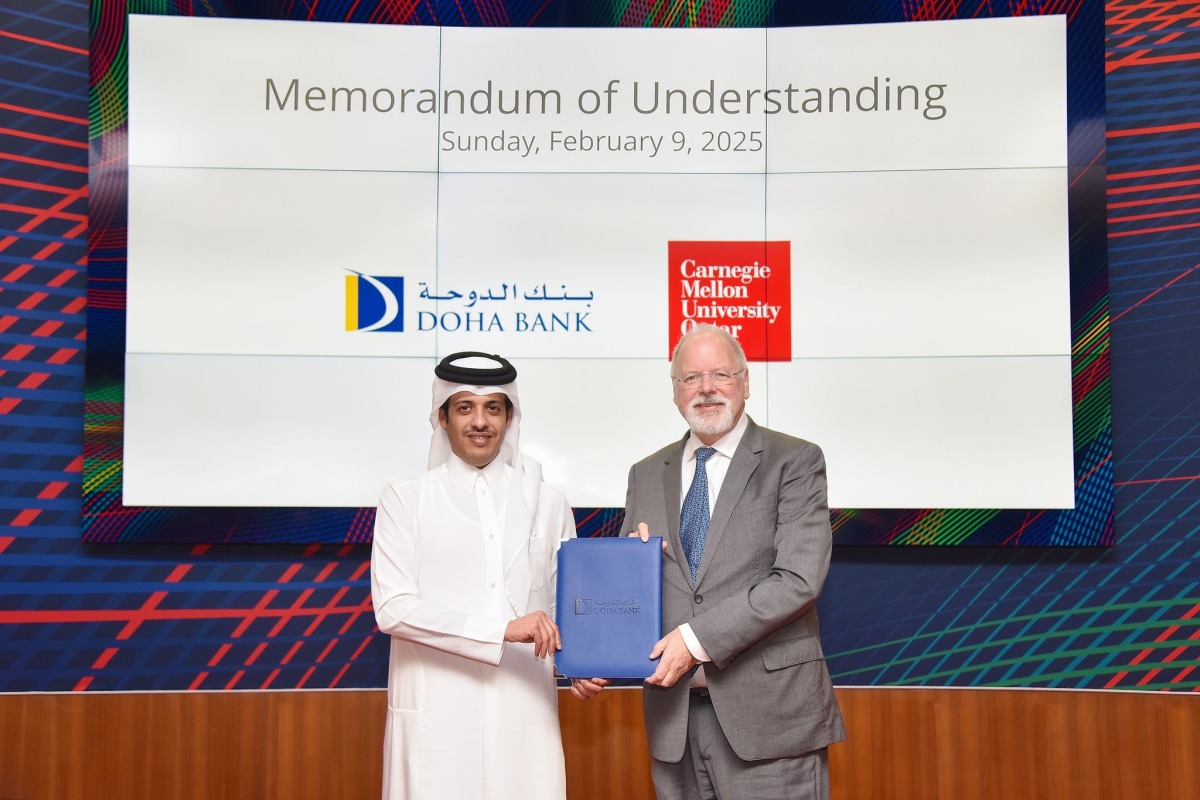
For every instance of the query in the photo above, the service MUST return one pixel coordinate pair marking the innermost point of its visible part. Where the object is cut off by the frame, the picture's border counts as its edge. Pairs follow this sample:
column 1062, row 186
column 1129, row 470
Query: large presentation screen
column 318, row 212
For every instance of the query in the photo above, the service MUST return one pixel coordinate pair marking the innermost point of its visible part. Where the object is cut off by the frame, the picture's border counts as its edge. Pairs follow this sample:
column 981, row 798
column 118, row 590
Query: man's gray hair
column 739, row 355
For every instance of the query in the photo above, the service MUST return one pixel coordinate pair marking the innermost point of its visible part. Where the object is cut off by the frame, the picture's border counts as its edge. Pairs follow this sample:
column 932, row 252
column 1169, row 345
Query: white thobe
column 469, row 716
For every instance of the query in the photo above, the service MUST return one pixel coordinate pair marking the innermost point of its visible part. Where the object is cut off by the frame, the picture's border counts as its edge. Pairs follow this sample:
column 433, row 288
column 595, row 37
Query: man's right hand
column 643, row 533
column 537, row 628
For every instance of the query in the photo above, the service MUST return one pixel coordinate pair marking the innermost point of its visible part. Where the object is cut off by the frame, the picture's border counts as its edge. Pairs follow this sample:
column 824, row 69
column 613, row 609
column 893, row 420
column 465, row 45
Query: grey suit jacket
column 753, row 606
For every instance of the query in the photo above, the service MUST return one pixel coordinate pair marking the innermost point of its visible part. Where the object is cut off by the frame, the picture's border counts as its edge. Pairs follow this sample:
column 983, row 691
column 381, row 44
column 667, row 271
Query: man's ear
column 508, row 418
column 442, row 417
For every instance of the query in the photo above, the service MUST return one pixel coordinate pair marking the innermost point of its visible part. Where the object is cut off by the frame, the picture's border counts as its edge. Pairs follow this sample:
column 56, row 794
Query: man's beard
column 709, row 424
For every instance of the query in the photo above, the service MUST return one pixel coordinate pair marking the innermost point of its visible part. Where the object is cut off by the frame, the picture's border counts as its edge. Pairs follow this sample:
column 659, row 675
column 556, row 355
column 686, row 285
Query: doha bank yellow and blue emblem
column 374, row 303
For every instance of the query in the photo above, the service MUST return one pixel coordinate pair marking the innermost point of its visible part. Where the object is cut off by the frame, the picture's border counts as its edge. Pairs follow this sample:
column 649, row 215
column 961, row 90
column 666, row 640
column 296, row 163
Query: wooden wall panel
column 981, row 744
column 191, row 746
column 905, row 744
column 605, row 746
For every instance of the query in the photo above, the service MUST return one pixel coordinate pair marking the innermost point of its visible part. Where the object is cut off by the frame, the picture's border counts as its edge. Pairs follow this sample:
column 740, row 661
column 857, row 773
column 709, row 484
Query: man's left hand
column 585, row 688
column 675, row 660
column 538, row 628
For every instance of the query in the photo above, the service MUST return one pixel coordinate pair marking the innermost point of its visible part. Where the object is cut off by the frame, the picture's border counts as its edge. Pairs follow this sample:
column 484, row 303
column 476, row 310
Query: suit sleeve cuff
column 693, row 644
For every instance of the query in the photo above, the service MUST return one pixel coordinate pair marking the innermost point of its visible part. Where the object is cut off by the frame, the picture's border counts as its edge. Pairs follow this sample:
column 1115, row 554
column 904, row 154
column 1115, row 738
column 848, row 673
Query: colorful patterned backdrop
column 77, row 617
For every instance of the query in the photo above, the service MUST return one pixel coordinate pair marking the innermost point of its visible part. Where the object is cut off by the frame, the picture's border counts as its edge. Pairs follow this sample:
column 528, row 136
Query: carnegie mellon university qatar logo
column 374, row 303
column 743, row 287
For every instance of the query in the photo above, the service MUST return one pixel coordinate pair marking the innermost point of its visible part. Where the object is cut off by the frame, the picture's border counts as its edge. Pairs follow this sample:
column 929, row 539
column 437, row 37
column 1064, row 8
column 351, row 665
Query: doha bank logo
column 374, row 303
column 587, row 606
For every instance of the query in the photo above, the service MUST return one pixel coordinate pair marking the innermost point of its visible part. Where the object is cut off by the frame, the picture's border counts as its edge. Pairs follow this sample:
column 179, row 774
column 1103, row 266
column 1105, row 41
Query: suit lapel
column 672, row 491
column 745, row 461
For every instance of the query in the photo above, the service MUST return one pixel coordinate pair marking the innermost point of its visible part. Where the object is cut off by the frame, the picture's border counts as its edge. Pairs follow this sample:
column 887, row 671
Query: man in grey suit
column 741, row 704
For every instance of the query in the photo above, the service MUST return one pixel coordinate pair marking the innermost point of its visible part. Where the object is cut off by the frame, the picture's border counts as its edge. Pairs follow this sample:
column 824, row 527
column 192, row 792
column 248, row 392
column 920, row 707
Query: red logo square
column 743, row 287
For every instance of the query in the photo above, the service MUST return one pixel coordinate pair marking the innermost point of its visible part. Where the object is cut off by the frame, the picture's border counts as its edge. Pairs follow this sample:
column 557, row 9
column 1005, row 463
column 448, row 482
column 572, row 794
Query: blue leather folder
column 609, row 607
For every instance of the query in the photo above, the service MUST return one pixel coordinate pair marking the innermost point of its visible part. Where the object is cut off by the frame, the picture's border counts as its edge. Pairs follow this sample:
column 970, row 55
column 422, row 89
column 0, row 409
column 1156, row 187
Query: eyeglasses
column 718, row 378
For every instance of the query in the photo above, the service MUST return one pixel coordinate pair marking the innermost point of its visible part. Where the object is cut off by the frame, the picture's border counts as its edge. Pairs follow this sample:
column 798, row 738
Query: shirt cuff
column 693, row 644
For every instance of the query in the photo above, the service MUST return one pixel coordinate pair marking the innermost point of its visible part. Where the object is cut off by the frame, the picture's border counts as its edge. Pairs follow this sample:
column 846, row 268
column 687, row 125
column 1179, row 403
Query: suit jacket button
column 699, row 598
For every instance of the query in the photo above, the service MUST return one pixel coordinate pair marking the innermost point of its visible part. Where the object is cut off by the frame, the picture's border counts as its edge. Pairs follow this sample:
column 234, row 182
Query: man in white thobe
column 463, row 580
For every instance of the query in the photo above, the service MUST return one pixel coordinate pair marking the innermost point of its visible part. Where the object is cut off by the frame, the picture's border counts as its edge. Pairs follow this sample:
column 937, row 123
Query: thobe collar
column 464, row 475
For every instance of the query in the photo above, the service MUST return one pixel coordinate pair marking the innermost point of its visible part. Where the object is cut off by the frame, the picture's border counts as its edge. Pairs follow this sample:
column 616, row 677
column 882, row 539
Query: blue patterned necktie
column 693, row 518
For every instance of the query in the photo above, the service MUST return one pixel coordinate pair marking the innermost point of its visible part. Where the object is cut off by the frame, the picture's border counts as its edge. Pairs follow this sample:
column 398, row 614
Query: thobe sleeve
column 400, row 610
column 566, row 530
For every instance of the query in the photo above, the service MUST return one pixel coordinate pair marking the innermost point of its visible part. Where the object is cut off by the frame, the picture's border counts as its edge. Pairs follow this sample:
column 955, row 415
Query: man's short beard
column 709, row 425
